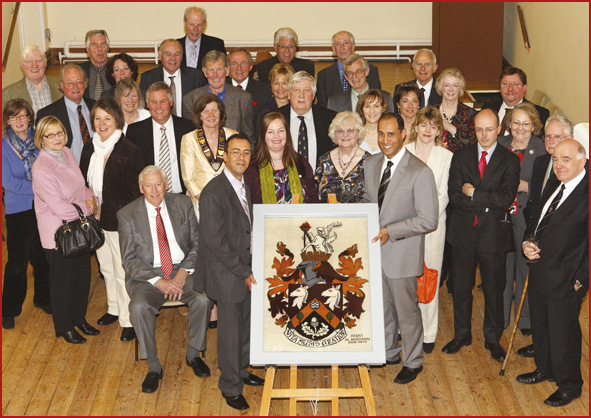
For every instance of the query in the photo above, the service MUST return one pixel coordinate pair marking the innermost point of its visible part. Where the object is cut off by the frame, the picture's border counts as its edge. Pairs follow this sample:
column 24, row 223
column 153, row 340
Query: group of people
column 172, row 167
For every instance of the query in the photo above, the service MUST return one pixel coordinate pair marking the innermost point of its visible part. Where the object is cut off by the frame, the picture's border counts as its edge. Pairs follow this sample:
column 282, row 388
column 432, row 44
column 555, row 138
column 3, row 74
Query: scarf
column 268, row 182
column 25, row 149
column 97, row 162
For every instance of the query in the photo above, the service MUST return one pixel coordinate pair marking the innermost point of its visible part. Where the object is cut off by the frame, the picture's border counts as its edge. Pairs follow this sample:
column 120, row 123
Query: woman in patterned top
column 277, row 172
column 340, row 171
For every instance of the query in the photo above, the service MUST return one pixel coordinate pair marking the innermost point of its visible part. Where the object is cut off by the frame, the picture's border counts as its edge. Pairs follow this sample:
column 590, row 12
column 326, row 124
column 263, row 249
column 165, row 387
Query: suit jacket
column 329, row 83
column 224, row 257
column 537, row 181
column 322, row 119
column 120, row 178
column 434, row 98
column 496, row 105
column 564, row 244
column 261, row 95
column 298, row 64
column 135, row 238
column 496, row 191
column 19, row 90
column 59, row 110
column 190, row 79
column 238, row 105
column 409, row 210
column 142, row 134
column 86, row 67
column 342, row 101
column 208, row 43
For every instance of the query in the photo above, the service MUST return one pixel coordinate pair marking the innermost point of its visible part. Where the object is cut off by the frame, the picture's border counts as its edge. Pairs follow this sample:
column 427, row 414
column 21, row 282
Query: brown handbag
column 427, row 285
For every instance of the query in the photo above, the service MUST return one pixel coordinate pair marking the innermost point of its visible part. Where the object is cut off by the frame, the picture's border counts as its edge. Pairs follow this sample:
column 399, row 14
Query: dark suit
column 496, row 106
column 137, row 255
column 487, row 243
column 223, row 263
column 208, row 43
column 298, row 64
column 434, row 98
column 142, row 134
column 329, row 83
column 342, row 101
column 190, row 80
column 89, row 92
column 322, row 119
column 554, row 304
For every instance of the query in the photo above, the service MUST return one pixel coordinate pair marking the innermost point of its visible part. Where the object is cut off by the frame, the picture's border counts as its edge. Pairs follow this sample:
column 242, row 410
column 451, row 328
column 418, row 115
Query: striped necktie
column 99, row 86
column 83, row 127
column 163, row 247
column 384, row 183
column 164, row 157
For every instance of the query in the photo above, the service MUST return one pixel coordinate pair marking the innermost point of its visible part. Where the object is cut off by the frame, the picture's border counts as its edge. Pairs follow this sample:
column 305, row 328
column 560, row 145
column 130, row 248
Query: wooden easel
column 294, row 394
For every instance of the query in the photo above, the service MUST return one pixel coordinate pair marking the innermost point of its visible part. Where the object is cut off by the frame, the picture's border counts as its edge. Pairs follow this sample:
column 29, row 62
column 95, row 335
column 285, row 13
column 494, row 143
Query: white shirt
column 77, row 143
column 178, row 93
column 395, row 160
column 427, row 88
column 244, row 84
column 568, row 189
column 294, row 128
column 189, row 50
column 174, row 166
column 236, row 184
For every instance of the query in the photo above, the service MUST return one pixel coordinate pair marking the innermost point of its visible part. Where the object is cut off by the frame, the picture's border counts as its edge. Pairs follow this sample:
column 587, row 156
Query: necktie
column 551, row 209
column 345, row 83
column 303, row 138
column 384, row 183
column 173, row 89
column 83, row 126
column 163, row 248
column 239, row 86
column 164, row 157
column 245, row 201
column 481, row 168
column 99, row 86
column 422, row 98
column 193, row 56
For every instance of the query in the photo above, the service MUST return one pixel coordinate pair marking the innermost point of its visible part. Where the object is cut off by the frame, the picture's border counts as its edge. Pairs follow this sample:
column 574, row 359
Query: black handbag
column 80, row 236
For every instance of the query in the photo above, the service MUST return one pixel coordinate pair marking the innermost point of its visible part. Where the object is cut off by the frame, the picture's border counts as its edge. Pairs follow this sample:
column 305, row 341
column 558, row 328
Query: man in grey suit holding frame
column 404, row 188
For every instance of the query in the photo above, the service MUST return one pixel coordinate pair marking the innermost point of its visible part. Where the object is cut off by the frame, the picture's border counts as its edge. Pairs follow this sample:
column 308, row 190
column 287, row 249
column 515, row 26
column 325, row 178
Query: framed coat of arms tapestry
column 318, row 297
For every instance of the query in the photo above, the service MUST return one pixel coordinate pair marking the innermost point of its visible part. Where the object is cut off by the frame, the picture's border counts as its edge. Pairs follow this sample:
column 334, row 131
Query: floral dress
column 347, row 190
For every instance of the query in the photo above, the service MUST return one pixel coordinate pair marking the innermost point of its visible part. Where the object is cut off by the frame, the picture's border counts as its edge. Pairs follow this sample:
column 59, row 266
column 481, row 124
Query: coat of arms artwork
column 318, row 298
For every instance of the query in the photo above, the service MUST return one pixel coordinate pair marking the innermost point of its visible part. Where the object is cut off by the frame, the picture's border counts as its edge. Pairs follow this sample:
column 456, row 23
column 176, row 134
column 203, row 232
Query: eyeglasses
column 514, row 84
column 517, row 124
column 341, row 132
column 357, row 73
column 290, row 47
column 52, row 136
column 18, row 117
column 554, row 138
column 487, row 130
column 71, row 84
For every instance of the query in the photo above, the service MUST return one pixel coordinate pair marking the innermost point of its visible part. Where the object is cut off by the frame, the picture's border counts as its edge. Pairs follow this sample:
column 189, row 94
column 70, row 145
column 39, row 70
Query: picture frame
column 318, row 297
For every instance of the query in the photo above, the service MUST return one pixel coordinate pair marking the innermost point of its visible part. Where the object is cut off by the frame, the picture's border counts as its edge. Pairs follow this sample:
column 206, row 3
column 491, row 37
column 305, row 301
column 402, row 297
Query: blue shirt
column 18, row 189
column 77, row 143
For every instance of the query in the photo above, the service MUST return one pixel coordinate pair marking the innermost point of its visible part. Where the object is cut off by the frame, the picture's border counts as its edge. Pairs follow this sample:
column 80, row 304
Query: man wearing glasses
column 285, row 43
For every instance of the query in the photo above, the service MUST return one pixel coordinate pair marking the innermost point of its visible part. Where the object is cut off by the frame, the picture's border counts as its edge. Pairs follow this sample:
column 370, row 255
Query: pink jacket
column 56, row 186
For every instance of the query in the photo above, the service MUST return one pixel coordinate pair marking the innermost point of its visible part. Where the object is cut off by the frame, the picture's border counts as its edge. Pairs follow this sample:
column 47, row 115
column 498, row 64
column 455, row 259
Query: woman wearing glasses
column 57, row 183
column 524, row 124
column 22, row 237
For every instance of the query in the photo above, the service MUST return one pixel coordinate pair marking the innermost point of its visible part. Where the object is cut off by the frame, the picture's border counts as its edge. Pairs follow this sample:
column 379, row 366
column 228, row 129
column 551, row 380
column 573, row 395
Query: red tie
column 165, row 258
column 239, row 86
column 481, row 168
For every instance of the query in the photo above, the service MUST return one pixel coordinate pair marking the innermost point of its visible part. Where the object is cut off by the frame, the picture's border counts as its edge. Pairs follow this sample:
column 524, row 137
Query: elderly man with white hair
column 35, row 87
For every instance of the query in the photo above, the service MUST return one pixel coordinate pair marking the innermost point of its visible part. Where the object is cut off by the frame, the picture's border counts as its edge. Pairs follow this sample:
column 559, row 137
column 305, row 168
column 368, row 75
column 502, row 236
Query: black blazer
column 496, row 105
column 190, row 79
column 107, row 86
column 434, row 98
column 496, row 191
column 142, row 134
column 59, row 110
column 298, row 64
column 208, row 43
column 322, row 120
column 120, row 178
column 329, row 83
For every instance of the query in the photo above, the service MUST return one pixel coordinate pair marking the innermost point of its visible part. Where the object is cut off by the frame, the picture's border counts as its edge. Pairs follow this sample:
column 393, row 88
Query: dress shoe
column 8, row 322
column 150, row 383
column 532, row 378
column 395, row 361
column 212, row 324
column 71, row 337
column 428, row 347
column 236, row 402
column 526, row 332
column 253, row 380
column 44, row 308
column 199, row 367
column 407, row 374
column 107, row 319
column 496, row 351
column 88, row 329
column 128, row 334
column 527, row 351
column 560, row 398
column 454, row 345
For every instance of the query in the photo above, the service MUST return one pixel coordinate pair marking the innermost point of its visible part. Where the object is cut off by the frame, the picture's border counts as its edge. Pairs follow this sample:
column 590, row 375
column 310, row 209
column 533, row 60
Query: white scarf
column 97, row 162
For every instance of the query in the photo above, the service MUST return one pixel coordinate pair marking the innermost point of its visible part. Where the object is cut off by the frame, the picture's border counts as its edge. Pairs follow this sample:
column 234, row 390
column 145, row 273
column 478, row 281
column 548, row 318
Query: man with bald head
column 332, row 80
column 556, row 242
column 424, row 65
column 195, row 43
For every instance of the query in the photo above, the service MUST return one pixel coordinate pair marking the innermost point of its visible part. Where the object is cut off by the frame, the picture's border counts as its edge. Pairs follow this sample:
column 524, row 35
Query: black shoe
column 559, row 398
column 407, row 374
column 88, row 329
column 527, row 351
column 236, row 402
column 395, row 361
column 428, row 347
column 526, row 332
column 253, row 380
column 107, row 319
column 150, row 383
column 44, row 308
column 8, row 322
column 128, row 334
column 71, row 337
column 199, row 367
column 454, row 345
column 532, row 378
column 212, row 324
column 496, row 351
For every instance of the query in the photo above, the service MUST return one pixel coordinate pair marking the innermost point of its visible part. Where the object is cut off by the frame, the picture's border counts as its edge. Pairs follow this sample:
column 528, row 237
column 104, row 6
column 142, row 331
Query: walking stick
column 502, row 372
